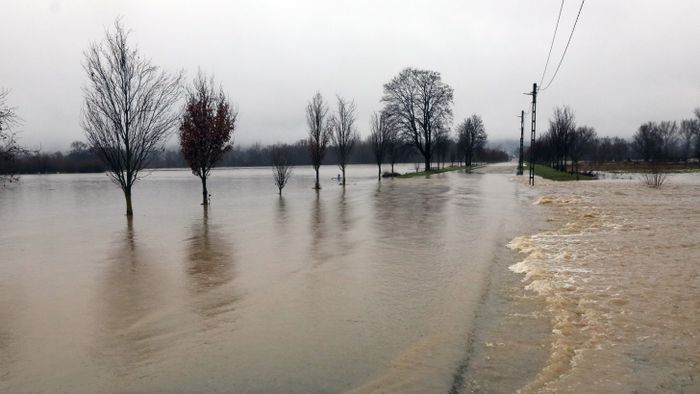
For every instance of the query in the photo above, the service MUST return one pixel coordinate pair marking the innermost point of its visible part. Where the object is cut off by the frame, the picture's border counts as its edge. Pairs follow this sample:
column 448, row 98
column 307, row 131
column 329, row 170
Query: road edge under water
column 510, row 340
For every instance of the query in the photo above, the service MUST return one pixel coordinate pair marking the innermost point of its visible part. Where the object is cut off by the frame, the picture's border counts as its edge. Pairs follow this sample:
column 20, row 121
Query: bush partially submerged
column 654, row 178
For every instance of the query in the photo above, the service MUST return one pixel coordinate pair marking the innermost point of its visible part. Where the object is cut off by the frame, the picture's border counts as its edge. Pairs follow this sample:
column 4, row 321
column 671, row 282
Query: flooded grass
column 556, row 175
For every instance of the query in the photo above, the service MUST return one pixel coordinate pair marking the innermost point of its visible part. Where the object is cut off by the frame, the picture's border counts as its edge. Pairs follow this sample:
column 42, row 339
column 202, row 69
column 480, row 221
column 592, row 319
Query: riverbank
column 641, row 166
column 618, row 277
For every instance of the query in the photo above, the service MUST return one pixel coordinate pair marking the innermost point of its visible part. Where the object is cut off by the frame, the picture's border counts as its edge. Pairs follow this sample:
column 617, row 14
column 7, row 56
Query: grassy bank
column 641, row 167
column 555, row 175
column 436, row 171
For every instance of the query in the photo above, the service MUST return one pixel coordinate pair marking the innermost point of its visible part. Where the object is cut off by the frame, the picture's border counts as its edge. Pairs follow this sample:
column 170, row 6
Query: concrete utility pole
column 532, row 135
column 522, row 132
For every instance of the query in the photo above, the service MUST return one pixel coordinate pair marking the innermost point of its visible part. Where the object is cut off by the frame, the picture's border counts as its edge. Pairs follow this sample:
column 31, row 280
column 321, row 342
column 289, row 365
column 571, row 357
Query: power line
column 551, row 46
column 567, row 46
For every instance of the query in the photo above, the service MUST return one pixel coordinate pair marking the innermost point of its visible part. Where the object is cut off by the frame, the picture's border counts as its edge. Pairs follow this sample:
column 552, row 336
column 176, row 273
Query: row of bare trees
column 129, row 112
column 565, row 144
column 388, row 143
column 669, row 141
column 418, row 111
column 130, row 108
column 337, row 130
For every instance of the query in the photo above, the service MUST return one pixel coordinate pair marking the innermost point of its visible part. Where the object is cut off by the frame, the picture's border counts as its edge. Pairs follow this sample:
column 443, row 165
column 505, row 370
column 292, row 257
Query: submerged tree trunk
column 379, row 172
column 127, row 196
column 318, row 185
column 205, row 193
column 343, row 171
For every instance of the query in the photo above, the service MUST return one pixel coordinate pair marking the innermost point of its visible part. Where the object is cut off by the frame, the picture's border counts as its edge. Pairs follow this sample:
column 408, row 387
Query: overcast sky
column 629, row 62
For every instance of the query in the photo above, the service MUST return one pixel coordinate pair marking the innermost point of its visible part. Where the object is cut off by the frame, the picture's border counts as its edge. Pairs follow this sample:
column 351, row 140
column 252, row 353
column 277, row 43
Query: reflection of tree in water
column 132, row 329
column 7, row 345
column 282, row 216
column 318, row 230
column 411, row 214
column 343, row 213
column 209, row 265
column 344, row 224
column 330, row 236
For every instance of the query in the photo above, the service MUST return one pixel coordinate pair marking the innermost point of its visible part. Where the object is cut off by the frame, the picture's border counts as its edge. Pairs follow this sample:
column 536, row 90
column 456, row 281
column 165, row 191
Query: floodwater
column 619, row 276
column 375, row 288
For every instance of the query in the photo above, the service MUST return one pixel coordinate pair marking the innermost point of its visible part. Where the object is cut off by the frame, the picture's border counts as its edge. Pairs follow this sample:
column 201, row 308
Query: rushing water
column 620, row 276
column 371, row 288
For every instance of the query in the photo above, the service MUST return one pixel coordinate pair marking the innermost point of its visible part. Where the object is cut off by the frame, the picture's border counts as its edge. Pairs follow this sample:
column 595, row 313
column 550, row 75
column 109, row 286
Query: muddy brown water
column 374, row 288
column 619, row 270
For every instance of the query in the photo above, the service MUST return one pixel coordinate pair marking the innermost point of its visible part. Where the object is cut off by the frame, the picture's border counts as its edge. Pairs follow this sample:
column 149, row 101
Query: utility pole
column 532, row 135
column 522, row 132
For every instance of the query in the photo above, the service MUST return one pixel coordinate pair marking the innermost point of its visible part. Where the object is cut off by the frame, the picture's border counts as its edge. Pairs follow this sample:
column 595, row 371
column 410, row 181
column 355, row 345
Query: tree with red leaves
column 206, row 128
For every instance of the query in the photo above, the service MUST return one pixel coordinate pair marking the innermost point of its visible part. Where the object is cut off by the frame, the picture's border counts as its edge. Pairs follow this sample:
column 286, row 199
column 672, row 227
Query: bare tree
column 561, row 127
column 441, row 146
column 378, row 139
column 580, row 142
column 419, row 103
column 343, row 133
column 656, row 141
column 697, row 133
column 206, row 128
column 10, row 150
column 396, row 149
column 471, row 136
column 620, row 149
column 79, row 149
column 319, row 132
column 281, row 168
column 611, row 149
column 127, row 114
column 8, row 116
column 688, row 132
column 647, row 141
column 668, row 131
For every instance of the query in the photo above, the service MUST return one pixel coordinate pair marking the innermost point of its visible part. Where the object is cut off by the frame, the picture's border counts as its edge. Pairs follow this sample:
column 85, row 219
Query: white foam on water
column 621, row 281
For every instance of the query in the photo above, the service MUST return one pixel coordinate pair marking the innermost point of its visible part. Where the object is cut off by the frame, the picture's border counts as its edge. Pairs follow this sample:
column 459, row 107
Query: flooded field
column 619, row 275
column 371, row 289
column 402, row 286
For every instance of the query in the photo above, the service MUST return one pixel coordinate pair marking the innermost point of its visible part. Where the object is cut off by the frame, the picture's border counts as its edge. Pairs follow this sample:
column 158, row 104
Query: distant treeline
column 82, row 159
column 565, row 144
